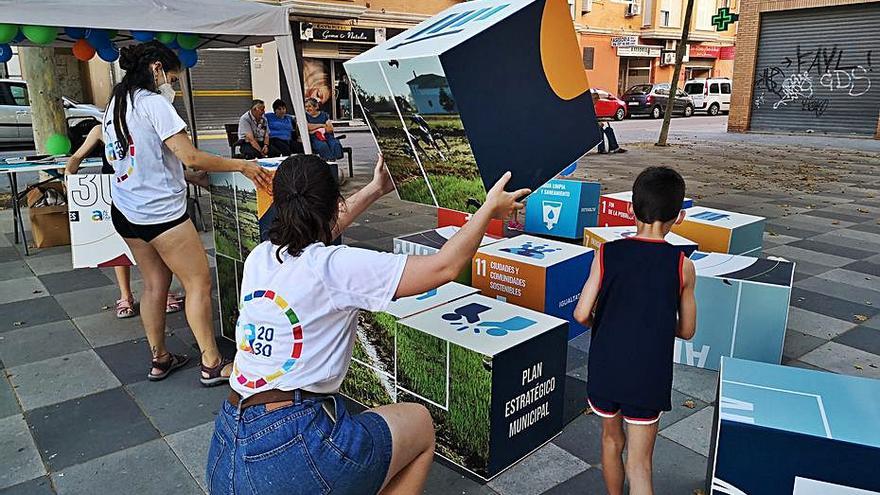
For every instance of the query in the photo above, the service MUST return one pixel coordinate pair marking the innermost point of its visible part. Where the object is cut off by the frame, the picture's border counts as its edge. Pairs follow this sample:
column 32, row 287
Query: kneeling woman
column 284, row 429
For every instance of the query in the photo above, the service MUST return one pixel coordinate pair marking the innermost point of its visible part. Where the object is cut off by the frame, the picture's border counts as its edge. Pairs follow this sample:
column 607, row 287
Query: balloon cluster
column 89, row 42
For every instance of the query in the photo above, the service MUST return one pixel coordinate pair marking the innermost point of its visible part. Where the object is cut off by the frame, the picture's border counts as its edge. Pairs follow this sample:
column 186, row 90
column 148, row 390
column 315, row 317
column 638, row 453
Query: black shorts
column 145, row 233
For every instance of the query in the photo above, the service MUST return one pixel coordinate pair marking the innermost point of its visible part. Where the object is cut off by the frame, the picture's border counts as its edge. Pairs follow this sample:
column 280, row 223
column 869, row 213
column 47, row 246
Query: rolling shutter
column 221, row 87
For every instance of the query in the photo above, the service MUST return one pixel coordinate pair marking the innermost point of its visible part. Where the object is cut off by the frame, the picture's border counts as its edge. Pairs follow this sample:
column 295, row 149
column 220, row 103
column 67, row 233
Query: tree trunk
column 44, row 94
column 673, row 86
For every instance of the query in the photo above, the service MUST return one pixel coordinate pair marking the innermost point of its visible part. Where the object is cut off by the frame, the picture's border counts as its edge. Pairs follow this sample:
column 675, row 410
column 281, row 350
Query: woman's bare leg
column 182, row 250
column 157, row 279
column 123, row 280
column 412, row 451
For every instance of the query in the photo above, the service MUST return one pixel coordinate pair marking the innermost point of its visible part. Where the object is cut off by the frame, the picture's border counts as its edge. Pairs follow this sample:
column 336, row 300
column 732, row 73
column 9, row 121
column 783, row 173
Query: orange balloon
column 82, row 50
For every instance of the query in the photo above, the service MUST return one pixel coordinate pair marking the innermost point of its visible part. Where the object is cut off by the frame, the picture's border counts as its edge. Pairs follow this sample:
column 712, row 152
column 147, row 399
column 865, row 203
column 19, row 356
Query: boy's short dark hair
column 658, row 194
column 278, row 104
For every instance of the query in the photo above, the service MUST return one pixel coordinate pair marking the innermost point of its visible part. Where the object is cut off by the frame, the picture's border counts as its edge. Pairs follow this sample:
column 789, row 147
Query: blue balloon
column 189, row 58
column 98, row 38
column 75, row 33
column 108, row 53
column 143, row 36
column 5, row 53
column 173, row 45
column 19, row 37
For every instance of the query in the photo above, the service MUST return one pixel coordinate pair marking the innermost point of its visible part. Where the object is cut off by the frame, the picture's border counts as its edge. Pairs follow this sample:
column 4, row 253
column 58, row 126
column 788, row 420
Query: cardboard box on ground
column 781, row 429
column 49, row 224
column 439, row 100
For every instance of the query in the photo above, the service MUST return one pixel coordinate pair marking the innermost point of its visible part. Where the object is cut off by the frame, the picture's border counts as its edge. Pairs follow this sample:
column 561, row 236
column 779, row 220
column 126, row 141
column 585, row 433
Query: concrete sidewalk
column 78, row 416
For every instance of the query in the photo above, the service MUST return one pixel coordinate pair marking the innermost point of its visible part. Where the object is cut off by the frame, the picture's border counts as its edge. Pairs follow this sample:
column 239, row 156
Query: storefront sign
column 617, row 41
column 639, row 51
column 705, row 51
column 727, row 53
column 341, row 33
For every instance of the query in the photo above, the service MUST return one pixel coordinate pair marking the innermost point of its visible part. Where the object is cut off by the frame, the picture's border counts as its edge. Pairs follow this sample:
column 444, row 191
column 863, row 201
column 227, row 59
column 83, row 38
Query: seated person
column 253, row 129
column 281, row 136
column 324, row 143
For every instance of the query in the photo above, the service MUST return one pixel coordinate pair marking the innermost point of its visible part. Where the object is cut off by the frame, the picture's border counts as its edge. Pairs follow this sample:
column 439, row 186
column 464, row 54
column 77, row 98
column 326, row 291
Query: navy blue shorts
column 298, row 449
column 633, row 415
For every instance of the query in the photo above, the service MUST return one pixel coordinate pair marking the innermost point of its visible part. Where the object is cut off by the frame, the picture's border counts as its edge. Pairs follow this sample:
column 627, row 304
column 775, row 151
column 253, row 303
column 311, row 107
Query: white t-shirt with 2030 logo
column 148, row 186
column 298, row 319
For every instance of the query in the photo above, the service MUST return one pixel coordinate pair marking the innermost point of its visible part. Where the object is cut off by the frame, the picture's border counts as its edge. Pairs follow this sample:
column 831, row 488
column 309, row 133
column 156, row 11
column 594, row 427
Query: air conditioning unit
column 633, row 9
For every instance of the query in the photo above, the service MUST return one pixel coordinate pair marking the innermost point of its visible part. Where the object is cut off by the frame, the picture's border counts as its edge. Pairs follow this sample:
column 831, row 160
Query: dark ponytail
column 135, row 60
column 307, row 202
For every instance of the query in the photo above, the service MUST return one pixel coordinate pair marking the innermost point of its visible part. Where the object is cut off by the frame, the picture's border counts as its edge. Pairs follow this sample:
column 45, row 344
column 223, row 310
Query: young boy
column 639, row 297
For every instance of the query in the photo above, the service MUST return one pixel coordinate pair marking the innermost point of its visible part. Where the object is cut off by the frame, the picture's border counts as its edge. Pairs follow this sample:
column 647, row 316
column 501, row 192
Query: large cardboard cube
column 614, row 209
column 371, row 379
column 781, row 429
column 492, row 374
column 453, row 103
column 742, row 310
column 242, row 214
column 596, row 236
column 535, row 273
column 430, row 242
column 562, row 208
column 722, row 231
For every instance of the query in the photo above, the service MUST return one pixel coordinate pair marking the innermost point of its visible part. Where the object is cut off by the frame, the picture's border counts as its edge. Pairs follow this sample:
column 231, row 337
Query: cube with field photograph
column 562, row 208
column 465, row 96
column 491, row 374
column 594, row 237
column 721, row 231
column 371, row 379
column 539, row 274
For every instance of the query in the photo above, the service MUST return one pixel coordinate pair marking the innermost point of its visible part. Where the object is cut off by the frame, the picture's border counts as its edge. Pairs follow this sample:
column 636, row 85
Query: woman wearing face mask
column 146, row 142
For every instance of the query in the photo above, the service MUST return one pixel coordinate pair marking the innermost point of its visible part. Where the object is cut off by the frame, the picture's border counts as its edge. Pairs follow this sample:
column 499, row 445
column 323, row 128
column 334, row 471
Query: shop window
column 589, row 51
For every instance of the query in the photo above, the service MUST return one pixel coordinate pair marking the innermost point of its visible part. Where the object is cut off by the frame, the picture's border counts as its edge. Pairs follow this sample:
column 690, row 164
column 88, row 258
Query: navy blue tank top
column 633, row 334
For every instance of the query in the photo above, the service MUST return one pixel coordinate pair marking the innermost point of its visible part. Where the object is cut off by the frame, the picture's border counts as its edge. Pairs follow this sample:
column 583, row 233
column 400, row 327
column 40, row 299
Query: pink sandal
column 174, row 303
column 125, row 308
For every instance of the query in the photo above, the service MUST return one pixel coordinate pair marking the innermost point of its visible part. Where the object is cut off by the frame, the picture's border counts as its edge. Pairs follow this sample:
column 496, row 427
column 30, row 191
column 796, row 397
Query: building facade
column 633, row 42
column 807, row 66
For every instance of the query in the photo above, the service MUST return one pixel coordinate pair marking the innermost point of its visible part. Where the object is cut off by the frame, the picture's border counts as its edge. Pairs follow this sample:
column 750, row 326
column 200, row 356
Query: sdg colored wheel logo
column 258, row 340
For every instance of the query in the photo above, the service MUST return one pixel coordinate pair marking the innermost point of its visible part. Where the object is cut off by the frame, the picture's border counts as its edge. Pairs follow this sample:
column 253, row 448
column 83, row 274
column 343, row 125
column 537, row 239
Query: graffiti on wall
column 809, row 80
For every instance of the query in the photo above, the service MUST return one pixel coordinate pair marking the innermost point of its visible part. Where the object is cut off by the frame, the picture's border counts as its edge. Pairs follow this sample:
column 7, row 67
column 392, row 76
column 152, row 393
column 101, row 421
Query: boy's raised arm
column 687, row 310
column 583, row 312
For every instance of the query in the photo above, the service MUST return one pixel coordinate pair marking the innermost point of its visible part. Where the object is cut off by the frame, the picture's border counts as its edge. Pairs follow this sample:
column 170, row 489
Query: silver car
column 15, row 112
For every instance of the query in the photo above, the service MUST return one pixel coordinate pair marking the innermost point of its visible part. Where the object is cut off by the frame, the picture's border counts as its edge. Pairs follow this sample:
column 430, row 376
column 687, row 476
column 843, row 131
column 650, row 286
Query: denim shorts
column 298, row 449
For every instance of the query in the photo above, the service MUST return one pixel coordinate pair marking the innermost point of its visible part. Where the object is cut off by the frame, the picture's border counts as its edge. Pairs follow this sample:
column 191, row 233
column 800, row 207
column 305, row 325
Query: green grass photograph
column 372, row 384
column 224, row 213
column 248, row 221
column 227, row 288
column 462, row 430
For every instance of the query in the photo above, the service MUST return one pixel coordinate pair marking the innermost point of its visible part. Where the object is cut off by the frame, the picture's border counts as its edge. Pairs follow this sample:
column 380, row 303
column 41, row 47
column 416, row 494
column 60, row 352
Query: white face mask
column 166, row 90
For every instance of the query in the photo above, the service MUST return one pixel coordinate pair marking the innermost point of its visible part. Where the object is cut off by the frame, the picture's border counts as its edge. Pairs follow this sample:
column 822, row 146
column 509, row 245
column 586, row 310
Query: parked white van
column 710, row 95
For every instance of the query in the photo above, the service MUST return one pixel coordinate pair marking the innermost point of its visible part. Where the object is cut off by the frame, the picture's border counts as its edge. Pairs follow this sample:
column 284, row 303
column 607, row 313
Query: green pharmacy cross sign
column 724, row 19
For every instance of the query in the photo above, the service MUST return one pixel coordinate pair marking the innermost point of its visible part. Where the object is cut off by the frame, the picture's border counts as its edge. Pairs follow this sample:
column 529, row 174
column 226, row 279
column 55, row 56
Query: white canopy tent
column 219, row 23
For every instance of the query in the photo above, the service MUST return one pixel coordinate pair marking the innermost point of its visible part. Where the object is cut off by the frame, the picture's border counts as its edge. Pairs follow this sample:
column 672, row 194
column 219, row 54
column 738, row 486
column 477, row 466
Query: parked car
column 651, row 99
column 15, row 112
column 710, row 95
column 609, row 106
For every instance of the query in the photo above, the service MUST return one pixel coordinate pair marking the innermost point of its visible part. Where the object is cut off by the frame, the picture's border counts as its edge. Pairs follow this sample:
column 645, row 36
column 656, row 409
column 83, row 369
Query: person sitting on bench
column 281, row 137
column 324, row 143
column 253, row 129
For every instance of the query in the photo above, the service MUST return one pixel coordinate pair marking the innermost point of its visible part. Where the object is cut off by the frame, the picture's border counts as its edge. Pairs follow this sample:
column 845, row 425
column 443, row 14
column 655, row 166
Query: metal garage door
column 221, row 87
column 819, row 69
